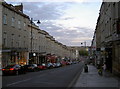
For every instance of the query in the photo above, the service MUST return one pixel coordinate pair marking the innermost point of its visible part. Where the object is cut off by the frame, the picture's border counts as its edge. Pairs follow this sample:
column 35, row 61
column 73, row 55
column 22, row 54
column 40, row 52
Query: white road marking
column 18, row 82
column 24, row 80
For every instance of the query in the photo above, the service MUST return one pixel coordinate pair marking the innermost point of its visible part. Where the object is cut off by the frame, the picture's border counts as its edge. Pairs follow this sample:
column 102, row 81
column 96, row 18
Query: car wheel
column 24, row 72
column 3, row 74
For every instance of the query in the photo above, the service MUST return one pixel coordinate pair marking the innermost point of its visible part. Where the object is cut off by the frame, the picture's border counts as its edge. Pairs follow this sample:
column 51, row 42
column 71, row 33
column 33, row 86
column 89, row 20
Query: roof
column 12, row 8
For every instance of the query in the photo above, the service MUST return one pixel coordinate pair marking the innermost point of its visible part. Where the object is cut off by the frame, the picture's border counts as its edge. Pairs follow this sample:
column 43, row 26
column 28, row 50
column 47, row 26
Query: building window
column 19, row 24
column 24, row 26
column 12, row 43
column 114, row 4
column 24, row 44
column 13, row 22
column 5, row 19
column 5, row 39
column 109, row 5
column 18, row 44
column 19, row 41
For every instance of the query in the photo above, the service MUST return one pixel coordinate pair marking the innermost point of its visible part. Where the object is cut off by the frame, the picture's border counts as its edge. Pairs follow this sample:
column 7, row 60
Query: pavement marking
column 24, row 80
column 18, row 82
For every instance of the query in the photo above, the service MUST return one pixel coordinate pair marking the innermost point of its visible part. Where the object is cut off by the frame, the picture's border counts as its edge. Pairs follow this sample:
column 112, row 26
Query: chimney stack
column 19, row 7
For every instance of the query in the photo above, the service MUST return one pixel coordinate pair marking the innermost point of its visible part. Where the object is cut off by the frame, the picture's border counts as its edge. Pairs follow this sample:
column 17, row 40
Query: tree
column 83, row 53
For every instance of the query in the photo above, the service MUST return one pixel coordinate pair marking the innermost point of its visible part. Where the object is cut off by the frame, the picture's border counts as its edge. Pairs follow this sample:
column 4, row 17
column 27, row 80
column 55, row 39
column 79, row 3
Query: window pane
column 13, row 21
column 5, row 19
column 19, row 23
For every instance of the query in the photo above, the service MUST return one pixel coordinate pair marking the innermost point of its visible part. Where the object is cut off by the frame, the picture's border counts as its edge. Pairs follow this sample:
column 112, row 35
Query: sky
column 70, row 22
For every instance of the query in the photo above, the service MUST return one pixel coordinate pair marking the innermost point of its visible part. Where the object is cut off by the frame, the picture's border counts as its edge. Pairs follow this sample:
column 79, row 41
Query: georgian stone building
column 23, row 42
column 14, row 34
column 92, row 50
column 108, row 35
column 0, row 36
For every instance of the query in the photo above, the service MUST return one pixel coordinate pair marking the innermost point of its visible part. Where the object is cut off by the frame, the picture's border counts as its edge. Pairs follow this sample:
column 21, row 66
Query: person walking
column 104, row 67
column 100, row 70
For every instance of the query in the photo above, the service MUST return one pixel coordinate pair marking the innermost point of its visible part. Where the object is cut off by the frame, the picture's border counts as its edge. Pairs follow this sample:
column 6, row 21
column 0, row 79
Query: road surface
column 57, row 77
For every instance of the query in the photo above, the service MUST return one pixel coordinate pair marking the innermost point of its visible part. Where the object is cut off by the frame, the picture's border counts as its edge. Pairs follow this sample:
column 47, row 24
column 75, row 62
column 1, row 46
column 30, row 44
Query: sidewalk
column 93, row 79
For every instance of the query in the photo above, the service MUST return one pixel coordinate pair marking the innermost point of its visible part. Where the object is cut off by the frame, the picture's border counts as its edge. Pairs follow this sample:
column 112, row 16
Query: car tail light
column 11, row 68
column 3, row 69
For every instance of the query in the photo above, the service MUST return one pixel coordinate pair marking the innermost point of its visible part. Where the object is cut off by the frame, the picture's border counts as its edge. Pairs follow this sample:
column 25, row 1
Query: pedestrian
column 100, row 70
column 104, row 67
column 85, row 68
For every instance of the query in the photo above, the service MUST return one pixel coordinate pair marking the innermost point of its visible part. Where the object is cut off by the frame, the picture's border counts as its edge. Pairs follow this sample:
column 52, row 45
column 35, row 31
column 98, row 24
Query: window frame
column 19, row 24
column 13, row 22
column 5, row 19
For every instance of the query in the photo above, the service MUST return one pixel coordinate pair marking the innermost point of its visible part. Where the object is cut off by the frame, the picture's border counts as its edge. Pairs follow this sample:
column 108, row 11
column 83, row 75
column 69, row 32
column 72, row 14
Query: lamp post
column 31, row 22
column 84, row 43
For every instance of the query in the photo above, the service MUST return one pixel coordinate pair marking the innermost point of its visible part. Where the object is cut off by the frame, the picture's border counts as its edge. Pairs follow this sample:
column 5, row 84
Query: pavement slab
column 93, row 79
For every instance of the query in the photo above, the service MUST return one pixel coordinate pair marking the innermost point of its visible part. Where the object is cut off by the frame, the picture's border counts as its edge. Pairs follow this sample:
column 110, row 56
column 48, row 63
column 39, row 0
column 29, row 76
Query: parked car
column 70, row 62
column 13, row 69
column 31, row 67
column 67, row 63
column 41, row 66
column 63, row 63
column 49, row 65
column 58, row 64
column 54, row 65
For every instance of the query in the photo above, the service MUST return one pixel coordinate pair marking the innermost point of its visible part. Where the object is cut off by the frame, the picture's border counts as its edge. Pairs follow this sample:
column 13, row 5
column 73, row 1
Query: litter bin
column 85, row 68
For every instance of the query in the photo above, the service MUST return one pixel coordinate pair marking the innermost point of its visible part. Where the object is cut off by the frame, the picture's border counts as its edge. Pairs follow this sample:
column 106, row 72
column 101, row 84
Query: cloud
column 70, row 37
column 68, row 22
column 67, row 18
column 66, row 35
column 80, row 1
column 44, row 10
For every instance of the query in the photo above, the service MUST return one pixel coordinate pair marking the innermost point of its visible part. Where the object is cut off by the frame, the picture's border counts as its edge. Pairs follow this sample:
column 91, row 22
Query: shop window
column 118, row 53
column 118, row 26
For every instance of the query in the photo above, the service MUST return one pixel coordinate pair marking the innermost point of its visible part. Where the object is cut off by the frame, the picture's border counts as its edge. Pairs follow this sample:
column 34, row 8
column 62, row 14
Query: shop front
column 42, row 58
column 116, row 58
column 32, row 57
column 5, row 57
column 51, row 58
column 14, row 56
column 108, row 59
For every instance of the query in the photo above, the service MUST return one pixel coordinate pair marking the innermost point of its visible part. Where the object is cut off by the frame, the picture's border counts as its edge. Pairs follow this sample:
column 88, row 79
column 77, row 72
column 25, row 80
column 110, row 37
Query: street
column 57, row 77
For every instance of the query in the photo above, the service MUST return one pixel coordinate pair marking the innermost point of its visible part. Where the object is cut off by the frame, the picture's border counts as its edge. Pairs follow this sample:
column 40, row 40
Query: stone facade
column 23, row 42
column 14, row 35
column 108, row 36
column 0, row 35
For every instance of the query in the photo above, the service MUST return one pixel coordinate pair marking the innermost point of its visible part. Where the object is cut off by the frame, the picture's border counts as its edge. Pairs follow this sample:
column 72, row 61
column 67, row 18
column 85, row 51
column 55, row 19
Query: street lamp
column 31, row 22
column 84, row 43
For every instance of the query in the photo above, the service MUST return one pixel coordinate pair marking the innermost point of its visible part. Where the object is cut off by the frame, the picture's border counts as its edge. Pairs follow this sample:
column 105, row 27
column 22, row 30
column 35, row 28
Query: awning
column 6, row 50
